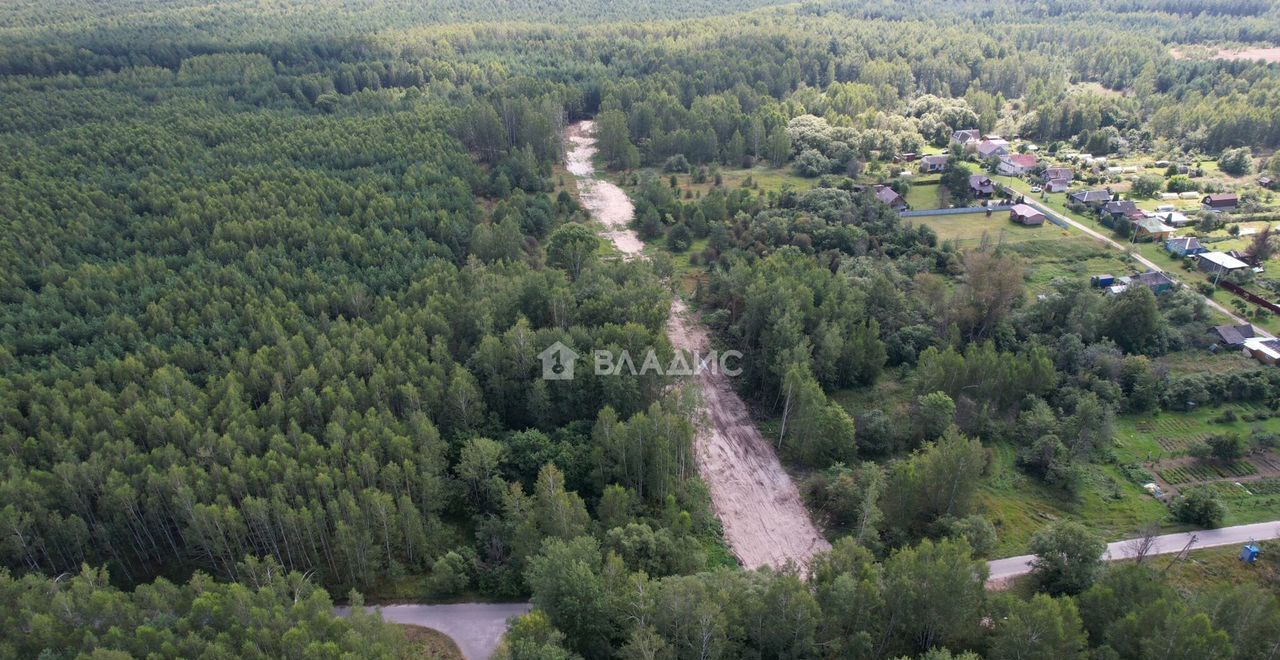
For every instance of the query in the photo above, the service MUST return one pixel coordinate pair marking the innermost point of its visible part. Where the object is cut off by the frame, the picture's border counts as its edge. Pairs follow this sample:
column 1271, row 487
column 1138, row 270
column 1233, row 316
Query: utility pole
column 1181, row 553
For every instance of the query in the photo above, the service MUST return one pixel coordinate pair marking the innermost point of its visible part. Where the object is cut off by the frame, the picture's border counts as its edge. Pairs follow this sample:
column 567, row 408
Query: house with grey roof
column 1233, row 336
column 1091, row 198
column 933, row 164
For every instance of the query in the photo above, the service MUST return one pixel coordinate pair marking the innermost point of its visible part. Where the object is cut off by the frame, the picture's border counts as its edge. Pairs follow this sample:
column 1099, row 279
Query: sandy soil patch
column 1268, row 55
column 606, row 202
column 765, row 521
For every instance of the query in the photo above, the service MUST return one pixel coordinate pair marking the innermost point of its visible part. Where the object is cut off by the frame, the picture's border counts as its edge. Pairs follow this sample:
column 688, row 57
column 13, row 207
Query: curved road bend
column 475, row 627
column 1120, row 246
column 1162, row 545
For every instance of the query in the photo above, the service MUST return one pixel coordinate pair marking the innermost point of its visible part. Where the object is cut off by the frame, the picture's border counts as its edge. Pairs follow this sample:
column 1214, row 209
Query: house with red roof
column 1016, row 164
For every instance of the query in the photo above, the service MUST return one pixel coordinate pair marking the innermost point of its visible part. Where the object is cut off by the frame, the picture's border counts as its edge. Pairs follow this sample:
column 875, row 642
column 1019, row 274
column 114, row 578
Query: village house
column 1057, row 185
column 966, row 136
column 1233, row 336
column 1188, row 246
column 1113, row 212
column 1220, row 202
column 1056, row 173
column 933, row 164
column 1174, row 219
column 1156, row 281
column 988, row 148
column 891, row 197
column 1026, row 215
column 1218, row 263
column 982, row 186
column 1091, row 198
column 1263, row 349
column 1016, row 164
column 1151, row 229
column 1266, row 182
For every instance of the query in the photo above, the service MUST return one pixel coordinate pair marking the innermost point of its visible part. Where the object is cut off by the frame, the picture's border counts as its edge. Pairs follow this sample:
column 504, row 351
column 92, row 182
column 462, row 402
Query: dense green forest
column 274, row 278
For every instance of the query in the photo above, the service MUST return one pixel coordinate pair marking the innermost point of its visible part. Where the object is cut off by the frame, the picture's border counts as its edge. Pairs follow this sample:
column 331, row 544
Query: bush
column 1136, row 473
column 1200, row 507
column 811, row 163
column 1067, row 557
column 679, row 239
column 1227, row 446
column 1236, row 162
column 975, row 529
column 1146, row 186
column 449, row 575
column 1180, row 183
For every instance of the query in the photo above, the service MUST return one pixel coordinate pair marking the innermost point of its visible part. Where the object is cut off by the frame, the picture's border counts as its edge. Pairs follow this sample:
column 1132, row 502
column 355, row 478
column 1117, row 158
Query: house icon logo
column 557, row 362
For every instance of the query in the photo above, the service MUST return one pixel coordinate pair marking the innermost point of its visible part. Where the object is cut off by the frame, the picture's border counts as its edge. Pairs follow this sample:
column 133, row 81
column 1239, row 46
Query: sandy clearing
column 765, row 521
column 1270, row 55
column 606, row 202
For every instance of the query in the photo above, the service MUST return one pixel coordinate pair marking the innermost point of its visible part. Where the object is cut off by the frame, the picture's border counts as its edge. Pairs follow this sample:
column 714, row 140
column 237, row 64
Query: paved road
column 478, row 627
column 1163, row 545
column 475, row 627
column 1121, row 246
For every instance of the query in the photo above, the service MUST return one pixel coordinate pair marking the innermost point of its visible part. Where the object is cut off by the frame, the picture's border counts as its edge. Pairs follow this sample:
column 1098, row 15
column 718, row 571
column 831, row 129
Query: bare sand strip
column 765, row 522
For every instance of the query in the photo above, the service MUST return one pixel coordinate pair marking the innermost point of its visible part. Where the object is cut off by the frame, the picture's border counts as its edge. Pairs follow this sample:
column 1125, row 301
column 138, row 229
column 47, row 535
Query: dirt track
column 607, row 203
column 765, row 522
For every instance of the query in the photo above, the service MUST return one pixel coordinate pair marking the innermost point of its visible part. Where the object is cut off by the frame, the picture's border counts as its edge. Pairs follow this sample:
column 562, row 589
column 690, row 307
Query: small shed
column 1220, row 201
column 1024, row 214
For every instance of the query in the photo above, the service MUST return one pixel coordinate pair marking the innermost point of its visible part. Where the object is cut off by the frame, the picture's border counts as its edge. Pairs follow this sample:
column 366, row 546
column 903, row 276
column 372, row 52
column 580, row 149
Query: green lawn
column 1073, row 257
column 1211, row 567
column 764, row 178
column 968, row 230
column 1019, row 505
column 924, row 197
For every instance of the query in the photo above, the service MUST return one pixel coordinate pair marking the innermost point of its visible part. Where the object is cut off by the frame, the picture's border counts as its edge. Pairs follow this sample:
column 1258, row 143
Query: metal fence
column 960, row 211
column 1250, row 296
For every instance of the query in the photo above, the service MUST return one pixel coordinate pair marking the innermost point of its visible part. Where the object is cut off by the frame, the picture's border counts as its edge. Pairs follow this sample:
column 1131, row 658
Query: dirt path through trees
column 765, row 522
column 607, row 203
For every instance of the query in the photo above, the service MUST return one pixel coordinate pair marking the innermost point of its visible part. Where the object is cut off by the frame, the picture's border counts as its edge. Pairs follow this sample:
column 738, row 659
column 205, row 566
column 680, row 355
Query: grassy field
column 1197, row 361
column 968, row 230
column 1249, row 502
column 763, row 178
column 925, row 197
column 1072, row 257
column 1112, row 501
column 1019, row 505
column 1222, row 566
